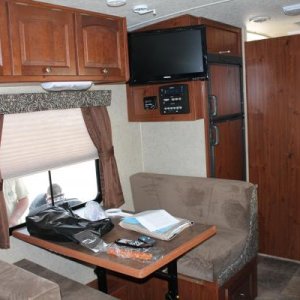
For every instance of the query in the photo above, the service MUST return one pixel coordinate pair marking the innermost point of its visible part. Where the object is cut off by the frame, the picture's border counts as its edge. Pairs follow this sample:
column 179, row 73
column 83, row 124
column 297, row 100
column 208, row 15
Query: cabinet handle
column 242, row 295
column 105, row 71
column 213, row 105
column 48, row 70
column 216, row 140
column 225, row 52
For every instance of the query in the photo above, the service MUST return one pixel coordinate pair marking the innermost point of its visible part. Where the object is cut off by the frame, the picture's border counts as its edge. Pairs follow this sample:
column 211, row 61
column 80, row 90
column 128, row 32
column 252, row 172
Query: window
column 41, row 148
column 75, row 184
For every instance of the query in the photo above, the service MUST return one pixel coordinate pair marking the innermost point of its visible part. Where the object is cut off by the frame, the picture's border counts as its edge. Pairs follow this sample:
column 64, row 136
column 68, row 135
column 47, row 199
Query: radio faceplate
column 174, row 99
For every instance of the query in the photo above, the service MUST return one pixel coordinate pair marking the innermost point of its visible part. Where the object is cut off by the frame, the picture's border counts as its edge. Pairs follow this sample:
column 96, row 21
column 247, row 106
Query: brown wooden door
column 273, row 89
column 225, row 90
column 226, row 122
column 5, row 65
column 228, row 149
column 42, row 40
column 102, row 47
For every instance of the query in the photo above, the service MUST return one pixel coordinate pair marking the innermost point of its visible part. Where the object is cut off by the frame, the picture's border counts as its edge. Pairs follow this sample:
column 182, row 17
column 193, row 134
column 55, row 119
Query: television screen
column 167, row 55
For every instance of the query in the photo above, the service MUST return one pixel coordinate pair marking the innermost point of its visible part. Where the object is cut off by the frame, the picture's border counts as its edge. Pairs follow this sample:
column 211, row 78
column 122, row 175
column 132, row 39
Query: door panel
column 227, row 150
column 273, row 91
column 5, row 65
column 102, row 46
column 225, row 90
column 43, row 40
column 223, row 41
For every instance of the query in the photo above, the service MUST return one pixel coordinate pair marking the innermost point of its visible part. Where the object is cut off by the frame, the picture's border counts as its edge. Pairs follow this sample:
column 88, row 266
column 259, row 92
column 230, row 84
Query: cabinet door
column 42, row 40
column 223, row 41
column 227, row 150
column 102, row 47
column 5, row 66
column 224, row 90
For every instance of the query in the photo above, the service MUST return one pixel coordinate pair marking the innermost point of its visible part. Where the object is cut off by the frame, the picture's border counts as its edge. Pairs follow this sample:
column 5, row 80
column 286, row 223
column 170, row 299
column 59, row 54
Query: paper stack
column 156, row 223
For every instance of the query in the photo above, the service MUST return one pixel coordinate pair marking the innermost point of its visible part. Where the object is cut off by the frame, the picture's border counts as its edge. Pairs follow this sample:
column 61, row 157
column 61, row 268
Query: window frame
column 98, row 197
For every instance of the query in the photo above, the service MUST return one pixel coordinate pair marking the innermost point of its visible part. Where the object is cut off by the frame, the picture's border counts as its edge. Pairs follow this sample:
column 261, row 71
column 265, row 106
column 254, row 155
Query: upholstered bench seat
column 231, row 205
column 19, row 284
column 207, row 261
column 69, row 289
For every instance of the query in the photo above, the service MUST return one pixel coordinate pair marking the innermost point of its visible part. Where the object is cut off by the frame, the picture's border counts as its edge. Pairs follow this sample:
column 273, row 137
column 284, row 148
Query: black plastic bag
column 59, row 223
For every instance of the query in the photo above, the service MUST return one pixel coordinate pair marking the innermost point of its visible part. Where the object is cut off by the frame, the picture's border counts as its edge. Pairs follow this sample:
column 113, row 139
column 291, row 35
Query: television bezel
column 174, row 77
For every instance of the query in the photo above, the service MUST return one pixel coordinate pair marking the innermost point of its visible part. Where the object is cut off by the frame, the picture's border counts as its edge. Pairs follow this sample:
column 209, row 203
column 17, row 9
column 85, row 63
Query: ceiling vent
column 292, row 10
column 260, row 19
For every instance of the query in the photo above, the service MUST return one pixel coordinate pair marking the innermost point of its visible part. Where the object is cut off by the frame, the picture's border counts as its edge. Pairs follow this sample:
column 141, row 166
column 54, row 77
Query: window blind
column 44, row 140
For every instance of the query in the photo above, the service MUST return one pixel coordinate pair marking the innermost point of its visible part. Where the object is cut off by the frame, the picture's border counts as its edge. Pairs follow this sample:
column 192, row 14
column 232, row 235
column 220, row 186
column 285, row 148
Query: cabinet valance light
column 31, row 102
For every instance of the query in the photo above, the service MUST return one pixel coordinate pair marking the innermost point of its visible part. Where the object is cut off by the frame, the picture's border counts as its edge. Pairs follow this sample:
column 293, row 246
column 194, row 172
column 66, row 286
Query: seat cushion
column 70, row 289
column 214, row 256
column 19, row 284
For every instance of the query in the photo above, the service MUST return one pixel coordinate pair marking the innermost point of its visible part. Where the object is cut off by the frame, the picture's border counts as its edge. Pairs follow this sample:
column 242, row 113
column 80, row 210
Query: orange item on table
column 129, row 253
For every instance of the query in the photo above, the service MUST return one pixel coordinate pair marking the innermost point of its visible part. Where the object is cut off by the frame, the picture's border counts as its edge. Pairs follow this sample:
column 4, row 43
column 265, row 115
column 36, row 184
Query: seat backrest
column 225, row 203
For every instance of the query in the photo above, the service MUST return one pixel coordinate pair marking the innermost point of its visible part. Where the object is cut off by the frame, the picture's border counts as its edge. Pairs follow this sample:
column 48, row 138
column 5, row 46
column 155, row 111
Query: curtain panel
column 98, row 125
column 4, row 227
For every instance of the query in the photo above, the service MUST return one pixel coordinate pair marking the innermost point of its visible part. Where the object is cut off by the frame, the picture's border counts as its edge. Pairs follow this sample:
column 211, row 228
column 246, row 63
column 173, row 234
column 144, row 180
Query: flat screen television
column 167, row 55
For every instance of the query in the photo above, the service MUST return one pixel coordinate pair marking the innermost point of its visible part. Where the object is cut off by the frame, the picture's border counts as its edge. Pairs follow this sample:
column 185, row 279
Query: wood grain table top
column 168, row 250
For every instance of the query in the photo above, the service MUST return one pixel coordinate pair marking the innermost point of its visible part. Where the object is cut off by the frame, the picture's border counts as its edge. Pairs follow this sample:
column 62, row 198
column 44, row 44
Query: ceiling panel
column 234, row 12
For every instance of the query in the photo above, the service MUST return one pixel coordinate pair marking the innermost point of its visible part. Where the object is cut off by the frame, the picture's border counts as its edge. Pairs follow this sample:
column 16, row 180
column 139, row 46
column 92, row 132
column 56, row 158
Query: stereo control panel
column 174, row 99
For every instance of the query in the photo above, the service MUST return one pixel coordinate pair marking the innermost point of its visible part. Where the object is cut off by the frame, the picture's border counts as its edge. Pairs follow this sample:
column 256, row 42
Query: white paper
column 117, row 212
column 156, row 219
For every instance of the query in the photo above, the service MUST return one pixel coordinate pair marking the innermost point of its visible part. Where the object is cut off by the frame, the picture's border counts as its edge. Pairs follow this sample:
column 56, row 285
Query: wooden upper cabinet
column 5, row 65
column 102, row 47
column 42, row 40
column 221, row 41
column 222, row 38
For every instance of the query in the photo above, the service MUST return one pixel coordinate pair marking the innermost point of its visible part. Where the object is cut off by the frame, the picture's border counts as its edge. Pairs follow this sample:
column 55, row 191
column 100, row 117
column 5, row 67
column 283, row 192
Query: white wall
column 176, row 148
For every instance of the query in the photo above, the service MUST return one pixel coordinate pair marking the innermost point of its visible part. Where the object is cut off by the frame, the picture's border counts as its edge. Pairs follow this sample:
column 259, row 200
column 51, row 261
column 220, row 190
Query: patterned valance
column 31, row 102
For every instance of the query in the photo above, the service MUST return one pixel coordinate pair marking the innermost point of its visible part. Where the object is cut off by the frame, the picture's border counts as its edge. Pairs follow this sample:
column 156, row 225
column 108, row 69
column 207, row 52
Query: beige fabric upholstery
column 18, row 284
column 224, row 203
column 69, row 289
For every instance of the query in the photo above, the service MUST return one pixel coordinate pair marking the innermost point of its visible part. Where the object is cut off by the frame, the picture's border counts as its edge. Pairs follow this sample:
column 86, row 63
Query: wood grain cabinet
column 43, row 40
column 221, row 41
column 227, row 157
column 5, row 64
column 222, row 38
column 136, row 96
column 224, row 89
column 226, row 121
column 102, row 46
column 50, row 42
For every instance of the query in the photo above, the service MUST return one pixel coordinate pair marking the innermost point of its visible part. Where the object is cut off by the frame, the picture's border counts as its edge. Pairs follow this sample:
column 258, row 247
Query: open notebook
column 156, row 223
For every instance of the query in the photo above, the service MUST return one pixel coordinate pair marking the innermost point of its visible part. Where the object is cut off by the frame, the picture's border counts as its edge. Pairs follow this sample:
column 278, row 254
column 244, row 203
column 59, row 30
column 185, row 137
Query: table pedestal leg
column 172, row 282
column 101, row 278
column 171, row 277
